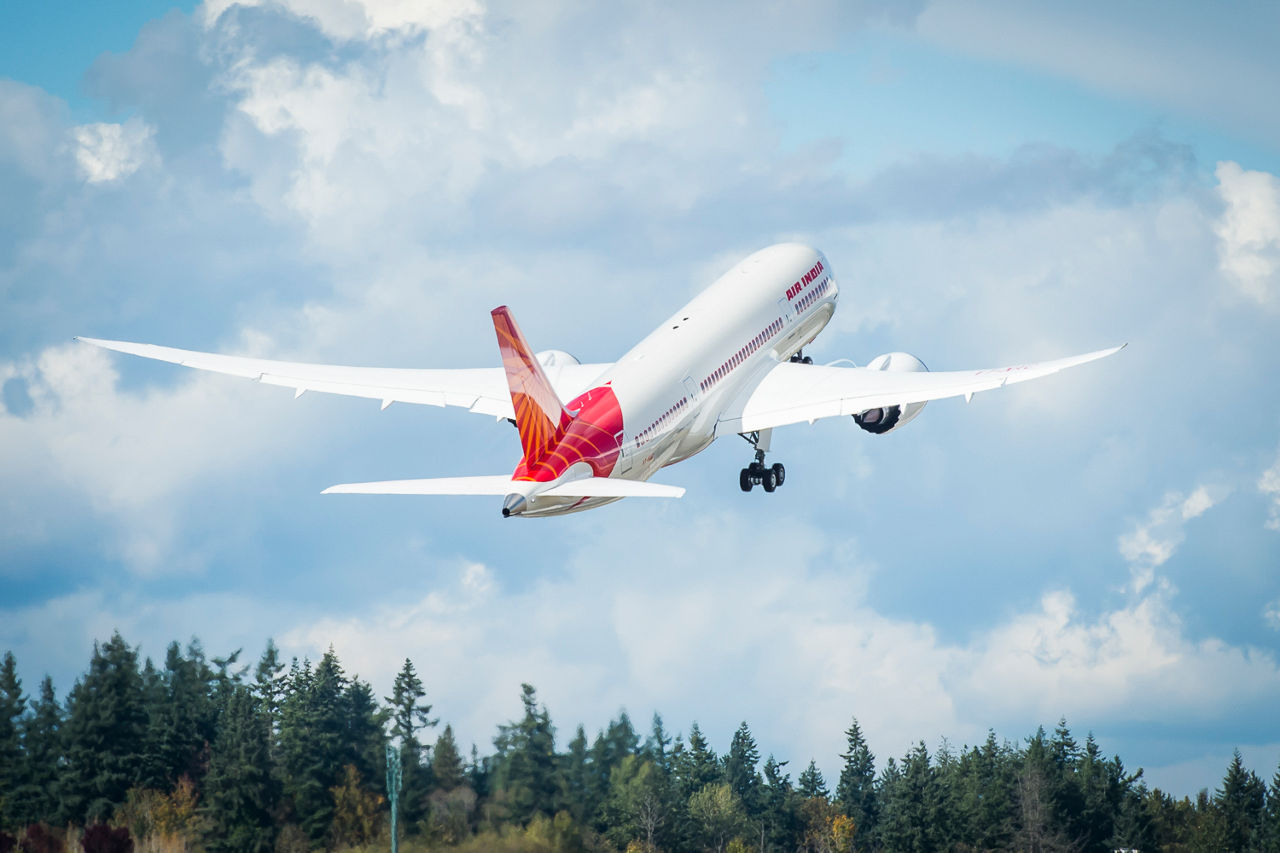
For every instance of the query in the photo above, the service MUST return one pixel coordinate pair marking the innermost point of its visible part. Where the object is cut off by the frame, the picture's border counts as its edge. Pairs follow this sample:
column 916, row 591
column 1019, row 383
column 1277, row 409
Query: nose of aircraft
column 514, row 504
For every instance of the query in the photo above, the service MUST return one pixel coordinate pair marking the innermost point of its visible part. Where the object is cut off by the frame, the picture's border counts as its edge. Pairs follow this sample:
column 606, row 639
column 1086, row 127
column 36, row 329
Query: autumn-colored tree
column 357, row 812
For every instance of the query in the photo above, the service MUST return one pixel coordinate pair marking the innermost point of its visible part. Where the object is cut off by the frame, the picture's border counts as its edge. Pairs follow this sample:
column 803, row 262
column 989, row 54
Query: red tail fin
column 541, row 418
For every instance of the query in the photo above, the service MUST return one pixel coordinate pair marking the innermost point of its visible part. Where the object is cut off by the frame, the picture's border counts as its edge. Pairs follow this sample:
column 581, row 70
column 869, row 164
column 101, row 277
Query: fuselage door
column 691, row 388
column 784, row 306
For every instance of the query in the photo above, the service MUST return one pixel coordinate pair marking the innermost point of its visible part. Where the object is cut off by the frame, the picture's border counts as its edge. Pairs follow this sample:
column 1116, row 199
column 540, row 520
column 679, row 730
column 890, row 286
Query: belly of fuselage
column 545, row 507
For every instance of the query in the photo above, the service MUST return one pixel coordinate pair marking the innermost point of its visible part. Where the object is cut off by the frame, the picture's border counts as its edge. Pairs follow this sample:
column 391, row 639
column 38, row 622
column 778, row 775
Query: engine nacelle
column 888, row 418
column 550, row 358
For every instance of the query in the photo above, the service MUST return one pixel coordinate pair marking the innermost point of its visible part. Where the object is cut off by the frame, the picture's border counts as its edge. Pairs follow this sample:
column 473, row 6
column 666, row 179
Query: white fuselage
column 700, row 366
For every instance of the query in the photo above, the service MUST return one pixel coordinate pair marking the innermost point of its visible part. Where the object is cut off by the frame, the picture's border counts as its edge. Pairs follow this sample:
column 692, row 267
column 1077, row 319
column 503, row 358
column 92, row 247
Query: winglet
column 541, row 418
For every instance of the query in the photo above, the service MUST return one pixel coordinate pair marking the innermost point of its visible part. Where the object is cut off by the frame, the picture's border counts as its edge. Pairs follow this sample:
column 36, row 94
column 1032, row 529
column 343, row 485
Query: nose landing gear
column 769, row 476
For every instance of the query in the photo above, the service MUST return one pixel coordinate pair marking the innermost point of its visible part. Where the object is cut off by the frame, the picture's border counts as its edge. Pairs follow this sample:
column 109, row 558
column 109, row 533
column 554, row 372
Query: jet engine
column 550, row 358
column 888, row 418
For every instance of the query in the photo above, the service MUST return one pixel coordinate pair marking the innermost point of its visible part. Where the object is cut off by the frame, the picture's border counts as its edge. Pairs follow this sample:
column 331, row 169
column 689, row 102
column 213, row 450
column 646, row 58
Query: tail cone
column 514, row 504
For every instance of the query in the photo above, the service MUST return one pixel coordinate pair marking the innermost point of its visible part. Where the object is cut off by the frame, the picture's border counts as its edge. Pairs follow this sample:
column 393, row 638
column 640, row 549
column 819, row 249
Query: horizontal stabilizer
column 499, row 484
column 502, row 484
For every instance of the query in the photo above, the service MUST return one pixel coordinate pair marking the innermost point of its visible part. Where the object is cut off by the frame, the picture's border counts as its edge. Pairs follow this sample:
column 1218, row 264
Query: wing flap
column 792, row 392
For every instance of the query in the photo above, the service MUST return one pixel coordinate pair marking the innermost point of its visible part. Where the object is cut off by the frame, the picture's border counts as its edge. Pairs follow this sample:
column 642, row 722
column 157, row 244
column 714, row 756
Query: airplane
column 730, row 362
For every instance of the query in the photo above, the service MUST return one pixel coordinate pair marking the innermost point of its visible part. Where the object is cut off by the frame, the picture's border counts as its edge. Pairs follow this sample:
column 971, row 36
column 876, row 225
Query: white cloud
column 1271, row 614
column 1200, row 63
column 137, row 457
column 667, row 622
column 109, row 152
column 1249, row 230
column 1269, row 485
column 360, row 19
column 1151, row 543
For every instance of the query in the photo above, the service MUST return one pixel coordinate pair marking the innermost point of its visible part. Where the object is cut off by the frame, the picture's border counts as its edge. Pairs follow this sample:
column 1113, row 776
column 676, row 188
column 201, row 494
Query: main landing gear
column 769, row 476
column 800, row 358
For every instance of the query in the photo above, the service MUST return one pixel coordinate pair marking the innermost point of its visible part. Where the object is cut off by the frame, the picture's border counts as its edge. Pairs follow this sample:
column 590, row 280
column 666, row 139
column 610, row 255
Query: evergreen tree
column 181, row 717
column 526, row 771
column 480, row 773
column 240, row 790
column 106, row 723
column 13, row 769
column 608, row 751
column 447, row 770
column 1065, row 793
column 657, row 745
column 1242, row 803
column 312, row 745
column 987, row 806
column 910, row 820
column 1271, row 826
column 740, row 770
column 408, row 714
column 856, row 790
column 778, row 817
column 1102, row 785
column 35, row 799
column 268, row 681
column 1135, row 826
column 364, row 733
column 697, row 766
column 576, row 784
column 811, row 782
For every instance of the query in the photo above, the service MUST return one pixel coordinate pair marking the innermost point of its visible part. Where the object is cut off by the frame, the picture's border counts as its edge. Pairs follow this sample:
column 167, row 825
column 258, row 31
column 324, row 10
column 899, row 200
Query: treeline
column 218, row 755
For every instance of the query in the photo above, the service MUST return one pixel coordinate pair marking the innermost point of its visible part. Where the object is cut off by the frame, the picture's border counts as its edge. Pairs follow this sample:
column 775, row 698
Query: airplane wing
column 479, row 389
column 793, row 392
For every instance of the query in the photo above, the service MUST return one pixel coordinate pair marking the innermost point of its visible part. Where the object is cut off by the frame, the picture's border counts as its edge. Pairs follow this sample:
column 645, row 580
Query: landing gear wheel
column 769, row 476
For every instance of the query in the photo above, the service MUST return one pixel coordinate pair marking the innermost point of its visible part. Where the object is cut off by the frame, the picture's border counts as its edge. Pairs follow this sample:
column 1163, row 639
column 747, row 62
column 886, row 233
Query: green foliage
column 447, row 771
column 106, row 724
column 912, row 817
column 696, row 766
column 357, row 811
column 811, row 782
column 740, row 770
column 241, row 789
column 409, row 716
column 191, row 756
column 13, row 771
column 717, row 816
column 1241, row 803
column 856, row 790
column 181, row 716
column 526, row 783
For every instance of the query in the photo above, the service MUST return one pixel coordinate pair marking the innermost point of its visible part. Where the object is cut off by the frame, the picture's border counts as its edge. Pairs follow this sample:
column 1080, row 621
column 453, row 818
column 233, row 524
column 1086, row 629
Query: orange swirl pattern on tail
column 553, row 439
column 540, row 418
column 594, row 436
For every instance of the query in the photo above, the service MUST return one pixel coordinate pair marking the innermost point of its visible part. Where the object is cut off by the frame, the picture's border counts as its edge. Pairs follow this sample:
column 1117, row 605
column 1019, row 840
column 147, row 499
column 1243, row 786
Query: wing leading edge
column 793, row 392
column 479, row 389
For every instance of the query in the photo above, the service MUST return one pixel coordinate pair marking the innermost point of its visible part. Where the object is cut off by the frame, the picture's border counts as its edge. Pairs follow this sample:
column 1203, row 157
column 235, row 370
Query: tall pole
column 395, row 777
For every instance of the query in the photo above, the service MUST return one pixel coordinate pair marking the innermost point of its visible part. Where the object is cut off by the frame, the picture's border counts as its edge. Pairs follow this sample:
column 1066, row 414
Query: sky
column 361, row 181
